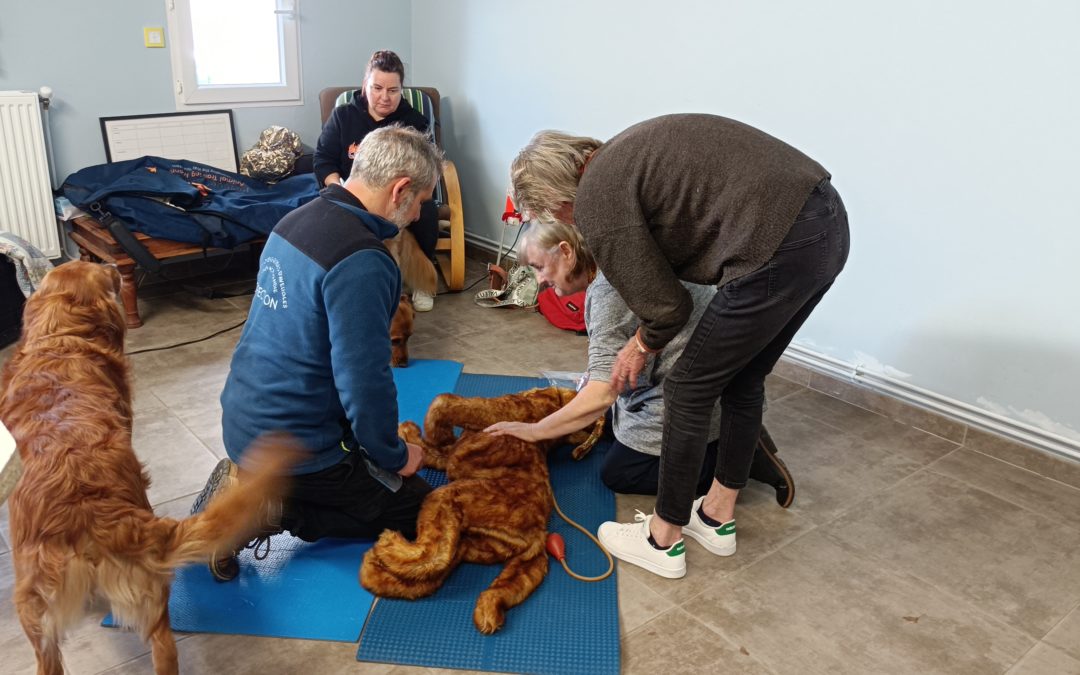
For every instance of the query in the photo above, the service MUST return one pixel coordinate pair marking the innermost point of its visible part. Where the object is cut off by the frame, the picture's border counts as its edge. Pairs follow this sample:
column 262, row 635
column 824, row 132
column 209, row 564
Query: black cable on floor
column 189, row 342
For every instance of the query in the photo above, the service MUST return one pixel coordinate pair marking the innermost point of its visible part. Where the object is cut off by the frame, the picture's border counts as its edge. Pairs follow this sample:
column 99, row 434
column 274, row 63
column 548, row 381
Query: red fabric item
column 566, row 311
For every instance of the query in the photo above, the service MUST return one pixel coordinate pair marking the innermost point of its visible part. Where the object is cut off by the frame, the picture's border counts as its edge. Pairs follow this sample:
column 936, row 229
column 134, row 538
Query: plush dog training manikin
column 81, row 524
column 494, row 510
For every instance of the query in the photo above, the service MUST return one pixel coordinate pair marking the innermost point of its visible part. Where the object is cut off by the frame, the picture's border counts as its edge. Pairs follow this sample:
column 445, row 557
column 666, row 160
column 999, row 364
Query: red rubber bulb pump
column 556, row 546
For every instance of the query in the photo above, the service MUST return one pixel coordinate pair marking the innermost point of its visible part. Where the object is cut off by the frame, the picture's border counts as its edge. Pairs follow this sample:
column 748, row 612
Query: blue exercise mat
column 420, row 382
column 300, row 590
column 565, row 626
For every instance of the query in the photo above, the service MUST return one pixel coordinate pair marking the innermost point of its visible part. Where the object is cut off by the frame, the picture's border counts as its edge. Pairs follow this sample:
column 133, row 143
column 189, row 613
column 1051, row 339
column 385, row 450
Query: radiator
column 26, row 203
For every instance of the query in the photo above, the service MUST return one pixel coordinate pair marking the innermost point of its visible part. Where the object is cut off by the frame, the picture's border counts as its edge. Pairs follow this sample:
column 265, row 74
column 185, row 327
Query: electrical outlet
column 154, row 37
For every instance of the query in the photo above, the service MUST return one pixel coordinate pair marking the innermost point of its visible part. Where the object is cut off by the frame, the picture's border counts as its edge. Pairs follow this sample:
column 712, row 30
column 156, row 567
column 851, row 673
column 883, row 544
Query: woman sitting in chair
column 377, row 105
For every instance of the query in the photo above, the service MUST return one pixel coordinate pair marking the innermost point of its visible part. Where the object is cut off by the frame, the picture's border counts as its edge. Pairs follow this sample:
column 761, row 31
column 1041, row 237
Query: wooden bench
column 97, row 244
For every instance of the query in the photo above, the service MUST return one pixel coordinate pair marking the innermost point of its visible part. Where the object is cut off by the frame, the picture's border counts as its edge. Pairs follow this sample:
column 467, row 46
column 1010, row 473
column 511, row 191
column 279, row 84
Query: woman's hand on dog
column 415, row 461
column 526, row 431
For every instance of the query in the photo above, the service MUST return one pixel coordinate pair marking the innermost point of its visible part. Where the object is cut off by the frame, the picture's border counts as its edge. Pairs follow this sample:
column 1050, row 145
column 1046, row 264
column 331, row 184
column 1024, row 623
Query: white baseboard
column 942, row 405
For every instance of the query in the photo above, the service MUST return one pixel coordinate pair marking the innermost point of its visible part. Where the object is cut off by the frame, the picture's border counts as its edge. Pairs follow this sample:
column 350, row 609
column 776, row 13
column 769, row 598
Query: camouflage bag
column 273, row 156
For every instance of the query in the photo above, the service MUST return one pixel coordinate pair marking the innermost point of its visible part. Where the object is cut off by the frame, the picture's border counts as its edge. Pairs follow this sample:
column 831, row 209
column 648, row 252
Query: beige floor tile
column 473, row 360
column 144, row 401
column 638, row 603
column 180, row 317
column 1011, row 563
column 834, row 470
column 1046, row 660
column 1045, row 496
column 789, row 370
column 177, row 461
column 890, row 407
column 832, row 411
column 676, row 643
column 1042, row 463
column 777, row 388
column 1066, row 635
column 821, row 606
column 200, row 654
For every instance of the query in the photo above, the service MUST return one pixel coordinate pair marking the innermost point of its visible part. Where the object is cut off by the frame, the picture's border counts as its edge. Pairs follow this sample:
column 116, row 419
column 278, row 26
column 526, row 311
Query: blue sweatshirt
column 314, row 356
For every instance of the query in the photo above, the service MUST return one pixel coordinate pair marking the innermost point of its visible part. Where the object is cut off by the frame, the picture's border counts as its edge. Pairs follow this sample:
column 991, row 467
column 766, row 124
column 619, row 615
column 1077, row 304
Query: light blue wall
column 92, row 55
column 951, row 130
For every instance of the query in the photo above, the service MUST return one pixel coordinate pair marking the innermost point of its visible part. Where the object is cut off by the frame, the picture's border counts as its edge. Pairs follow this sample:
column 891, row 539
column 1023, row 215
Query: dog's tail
column 235, row 515
column 417, row 271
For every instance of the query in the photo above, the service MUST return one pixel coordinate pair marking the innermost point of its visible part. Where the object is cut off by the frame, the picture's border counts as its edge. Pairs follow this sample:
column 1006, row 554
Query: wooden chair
column 450, row 250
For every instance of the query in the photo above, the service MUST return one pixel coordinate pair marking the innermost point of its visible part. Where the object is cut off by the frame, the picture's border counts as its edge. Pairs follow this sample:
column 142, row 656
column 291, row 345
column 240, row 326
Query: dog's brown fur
column 417, row 271
column 401, row 329
column 81, row 524
column 495, row 509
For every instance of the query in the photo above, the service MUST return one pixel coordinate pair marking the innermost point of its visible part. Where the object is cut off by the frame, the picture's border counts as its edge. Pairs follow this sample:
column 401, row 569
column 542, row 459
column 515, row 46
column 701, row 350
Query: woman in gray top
column 707, row 200
column 632, row 456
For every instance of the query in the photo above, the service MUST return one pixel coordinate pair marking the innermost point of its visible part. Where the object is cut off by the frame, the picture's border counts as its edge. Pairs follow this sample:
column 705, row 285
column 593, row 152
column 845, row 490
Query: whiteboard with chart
column 203, row 137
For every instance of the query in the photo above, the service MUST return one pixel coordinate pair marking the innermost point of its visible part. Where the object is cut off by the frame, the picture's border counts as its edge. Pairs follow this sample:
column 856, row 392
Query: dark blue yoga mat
column 299, row 590
column 565, row 626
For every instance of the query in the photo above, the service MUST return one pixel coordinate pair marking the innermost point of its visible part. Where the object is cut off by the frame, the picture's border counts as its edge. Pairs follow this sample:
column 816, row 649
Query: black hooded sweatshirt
column 347, row 126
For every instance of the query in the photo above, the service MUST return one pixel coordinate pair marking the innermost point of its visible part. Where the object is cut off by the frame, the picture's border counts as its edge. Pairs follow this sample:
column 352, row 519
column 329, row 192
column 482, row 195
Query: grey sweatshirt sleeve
column 609, row 323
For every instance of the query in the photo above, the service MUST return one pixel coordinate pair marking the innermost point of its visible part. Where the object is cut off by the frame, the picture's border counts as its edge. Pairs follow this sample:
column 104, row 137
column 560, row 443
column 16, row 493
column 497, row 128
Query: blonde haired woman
column 631, row 465
column 706, row 200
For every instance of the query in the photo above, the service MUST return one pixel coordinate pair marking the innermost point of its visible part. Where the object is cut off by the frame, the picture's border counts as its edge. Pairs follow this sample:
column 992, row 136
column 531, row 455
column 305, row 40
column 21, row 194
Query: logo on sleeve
column 270, row 289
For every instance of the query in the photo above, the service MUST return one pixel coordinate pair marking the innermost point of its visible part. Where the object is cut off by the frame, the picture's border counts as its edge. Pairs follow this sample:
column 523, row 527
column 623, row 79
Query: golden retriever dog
column 495, row 509
column 81, row 524
column 401, row 329
column 417, row 271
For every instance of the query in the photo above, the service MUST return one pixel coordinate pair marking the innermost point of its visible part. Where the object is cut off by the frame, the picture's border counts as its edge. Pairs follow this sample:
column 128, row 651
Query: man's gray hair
column 394, row 152
column 546, row 172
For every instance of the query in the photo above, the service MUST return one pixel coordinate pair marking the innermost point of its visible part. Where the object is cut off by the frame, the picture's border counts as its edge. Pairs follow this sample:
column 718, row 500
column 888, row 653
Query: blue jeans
column 740, row 337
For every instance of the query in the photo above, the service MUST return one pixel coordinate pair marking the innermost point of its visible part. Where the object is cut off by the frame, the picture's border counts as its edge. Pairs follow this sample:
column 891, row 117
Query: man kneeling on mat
column 314, row 357
column 558, row 254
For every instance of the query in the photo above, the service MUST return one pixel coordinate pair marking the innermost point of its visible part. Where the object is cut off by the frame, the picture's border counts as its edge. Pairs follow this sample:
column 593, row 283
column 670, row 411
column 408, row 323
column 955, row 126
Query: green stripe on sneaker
column 726, row 528
column 676, row 549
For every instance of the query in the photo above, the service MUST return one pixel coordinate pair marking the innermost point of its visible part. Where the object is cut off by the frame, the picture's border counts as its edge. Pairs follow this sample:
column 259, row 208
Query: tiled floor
column 903, row 553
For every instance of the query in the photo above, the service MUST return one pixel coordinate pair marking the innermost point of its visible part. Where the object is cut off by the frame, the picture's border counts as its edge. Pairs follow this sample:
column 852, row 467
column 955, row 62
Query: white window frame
column 190, row 96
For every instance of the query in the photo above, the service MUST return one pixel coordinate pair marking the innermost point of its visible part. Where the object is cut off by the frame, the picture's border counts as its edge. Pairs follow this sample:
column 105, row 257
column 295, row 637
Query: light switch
column 154, row 37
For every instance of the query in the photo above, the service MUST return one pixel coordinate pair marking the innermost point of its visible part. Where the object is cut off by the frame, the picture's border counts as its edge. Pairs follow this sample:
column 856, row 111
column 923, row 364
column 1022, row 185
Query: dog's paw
column 409, row 432
column 488, row 615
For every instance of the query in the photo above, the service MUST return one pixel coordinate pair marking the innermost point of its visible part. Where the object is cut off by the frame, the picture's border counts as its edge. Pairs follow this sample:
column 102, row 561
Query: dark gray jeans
column 738, row 340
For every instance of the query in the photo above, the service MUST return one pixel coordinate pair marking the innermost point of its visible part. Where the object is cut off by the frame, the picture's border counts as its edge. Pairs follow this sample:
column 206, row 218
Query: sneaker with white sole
column 629, row 542
column 719, row 540
column 423, row 301
column 223, row 564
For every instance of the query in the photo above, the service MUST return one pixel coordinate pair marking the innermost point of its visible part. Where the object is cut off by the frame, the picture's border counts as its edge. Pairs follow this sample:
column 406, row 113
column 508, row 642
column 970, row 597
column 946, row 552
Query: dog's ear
column 407, row 299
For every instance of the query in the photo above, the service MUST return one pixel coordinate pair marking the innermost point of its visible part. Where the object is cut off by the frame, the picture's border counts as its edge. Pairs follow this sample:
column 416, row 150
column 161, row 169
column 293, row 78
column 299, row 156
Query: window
column 239, row 52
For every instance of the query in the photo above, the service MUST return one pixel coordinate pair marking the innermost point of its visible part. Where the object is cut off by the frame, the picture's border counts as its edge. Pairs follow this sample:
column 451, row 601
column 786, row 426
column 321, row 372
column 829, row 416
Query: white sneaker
column 718, row 540
column 629, row 542
column 423, row 301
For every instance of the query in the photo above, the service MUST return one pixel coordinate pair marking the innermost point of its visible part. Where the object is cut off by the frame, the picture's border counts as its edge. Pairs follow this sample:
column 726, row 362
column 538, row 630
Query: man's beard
column 399, row 216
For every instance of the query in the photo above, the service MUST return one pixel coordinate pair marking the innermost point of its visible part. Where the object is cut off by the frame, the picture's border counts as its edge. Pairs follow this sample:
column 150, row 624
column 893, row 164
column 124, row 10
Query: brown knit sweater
column 700, row 198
